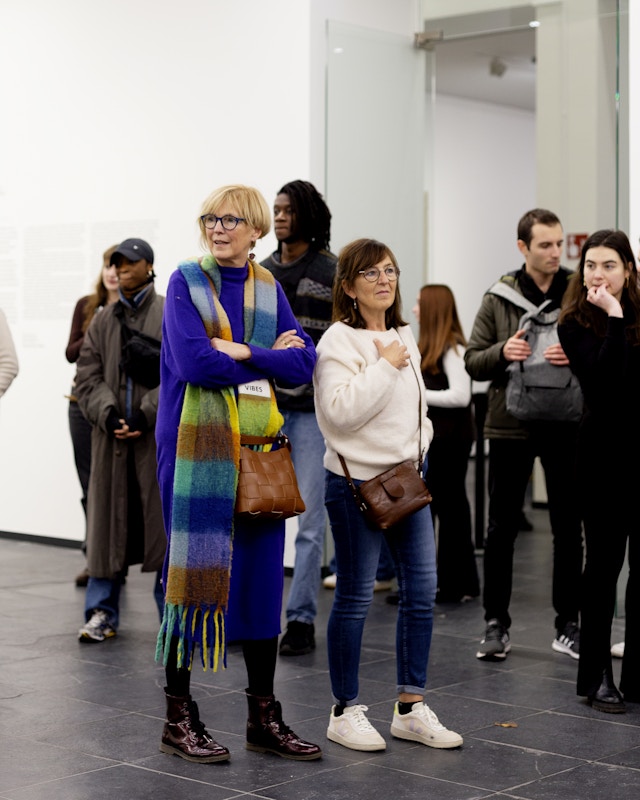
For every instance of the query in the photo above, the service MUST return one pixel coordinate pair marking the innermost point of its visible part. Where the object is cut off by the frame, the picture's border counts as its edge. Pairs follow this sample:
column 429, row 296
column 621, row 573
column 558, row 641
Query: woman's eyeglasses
column 228, row 222
column 372, row 275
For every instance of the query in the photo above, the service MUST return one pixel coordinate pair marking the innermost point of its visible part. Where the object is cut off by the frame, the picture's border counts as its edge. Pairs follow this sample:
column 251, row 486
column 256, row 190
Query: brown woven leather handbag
column 267, row 485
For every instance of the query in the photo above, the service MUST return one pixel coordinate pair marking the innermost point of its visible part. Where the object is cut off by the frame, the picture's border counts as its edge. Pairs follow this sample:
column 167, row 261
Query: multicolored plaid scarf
column 206, row 472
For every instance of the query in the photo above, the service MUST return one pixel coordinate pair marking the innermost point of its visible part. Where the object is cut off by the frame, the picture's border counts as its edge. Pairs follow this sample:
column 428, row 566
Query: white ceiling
column 469, row 43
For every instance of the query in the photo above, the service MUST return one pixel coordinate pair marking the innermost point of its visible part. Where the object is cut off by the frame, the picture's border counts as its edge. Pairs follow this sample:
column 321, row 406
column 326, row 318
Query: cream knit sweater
column 367, row 409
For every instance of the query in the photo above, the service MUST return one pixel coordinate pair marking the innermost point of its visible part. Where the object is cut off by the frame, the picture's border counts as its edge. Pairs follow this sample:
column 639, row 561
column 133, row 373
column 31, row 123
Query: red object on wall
column 574, row 244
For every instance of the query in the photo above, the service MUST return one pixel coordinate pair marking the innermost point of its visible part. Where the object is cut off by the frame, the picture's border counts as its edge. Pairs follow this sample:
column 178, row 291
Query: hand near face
column 395, row 353
column 599, row 296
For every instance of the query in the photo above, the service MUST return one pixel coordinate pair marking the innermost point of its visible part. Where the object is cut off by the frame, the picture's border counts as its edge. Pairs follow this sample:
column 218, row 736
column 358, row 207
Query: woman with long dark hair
column 600, row 332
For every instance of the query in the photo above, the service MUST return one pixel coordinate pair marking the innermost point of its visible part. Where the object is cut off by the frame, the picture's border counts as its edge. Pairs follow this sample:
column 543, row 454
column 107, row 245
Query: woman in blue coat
column 228, row 333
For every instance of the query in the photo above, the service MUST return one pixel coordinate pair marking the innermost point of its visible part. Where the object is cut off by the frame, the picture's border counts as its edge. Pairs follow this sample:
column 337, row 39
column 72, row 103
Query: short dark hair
column 312, row 221
column 541, row 216
column 357, row 255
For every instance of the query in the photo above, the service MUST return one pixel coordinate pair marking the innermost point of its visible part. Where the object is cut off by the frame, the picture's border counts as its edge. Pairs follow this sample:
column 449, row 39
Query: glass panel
column 376, row 144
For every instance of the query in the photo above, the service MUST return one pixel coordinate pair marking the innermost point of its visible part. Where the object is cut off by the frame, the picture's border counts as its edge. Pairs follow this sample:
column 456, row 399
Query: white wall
column 484, row 180
column 118, row 119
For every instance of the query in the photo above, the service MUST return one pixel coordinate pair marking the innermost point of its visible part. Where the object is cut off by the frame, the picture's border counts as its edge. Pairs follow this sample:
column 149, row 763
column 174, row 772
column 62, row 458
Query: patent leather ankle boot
column 267, row 732
column 606, row 697
column 184, row 734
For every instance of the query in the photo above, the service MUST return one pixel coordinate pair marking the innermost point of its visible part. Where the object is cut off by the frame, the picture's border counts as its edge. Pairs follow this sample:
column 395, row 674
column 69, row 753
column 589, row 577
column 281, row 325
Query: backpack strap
column 502, row 289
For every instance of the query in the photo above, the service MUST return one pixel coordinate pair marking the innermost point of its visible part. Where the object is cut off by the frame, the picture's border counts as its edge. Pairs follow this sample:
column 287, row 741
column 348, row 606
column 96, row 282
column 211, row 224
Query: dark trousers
column 446, row 479
column 510, row 467
column 610, row 521
column 80, row 431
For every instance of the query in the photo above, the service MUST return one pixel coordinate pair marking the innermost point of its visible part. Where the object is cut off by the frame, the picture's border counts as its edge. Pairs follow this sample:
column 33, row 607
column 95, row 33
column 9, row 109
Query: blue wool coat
column 257, row 569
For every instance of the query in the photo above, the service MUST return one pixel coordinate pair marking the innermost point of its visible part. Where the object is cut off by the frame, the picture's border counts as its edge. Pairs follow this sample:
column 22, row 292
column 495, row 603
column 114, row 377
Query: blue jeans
column 386, row 570
column 104, row 594
column 307, row 450
column 412, row 545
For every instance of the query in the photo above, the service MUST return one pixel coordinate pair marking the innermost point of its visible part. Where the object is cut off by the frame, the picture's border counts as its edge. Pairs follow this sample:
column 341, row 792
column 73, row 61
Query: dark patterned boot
column 184, row 734
column 267, row 733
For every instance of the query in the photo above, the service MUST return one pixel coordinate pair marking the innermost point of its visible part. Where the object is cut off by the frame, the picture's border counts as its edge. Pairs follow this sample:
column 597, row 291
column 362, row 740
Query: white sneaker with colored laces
column 422, row 725
column 352, row 729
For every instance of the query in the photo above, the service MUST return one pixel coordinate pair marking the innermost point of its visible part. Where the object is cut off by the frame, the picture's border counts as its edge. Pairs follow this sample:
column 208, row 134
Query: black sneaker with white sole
column 495, row 645
column 568, row 640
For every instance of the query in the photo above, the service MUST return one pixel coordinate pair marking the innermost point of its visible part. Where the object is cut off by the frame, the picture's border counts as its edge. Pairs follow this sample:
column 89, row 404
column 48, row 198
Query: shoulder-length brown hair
column 357, row 255
column 99, row 297
column 575, row 305
column 440, row 326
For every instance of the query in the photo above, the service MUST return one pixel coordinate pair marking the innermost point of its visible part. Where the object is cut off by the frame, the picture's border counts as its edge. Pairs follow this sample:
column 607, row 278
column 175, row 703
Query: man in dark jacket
column 496, row 341
column 305, row 267
column 124, row 517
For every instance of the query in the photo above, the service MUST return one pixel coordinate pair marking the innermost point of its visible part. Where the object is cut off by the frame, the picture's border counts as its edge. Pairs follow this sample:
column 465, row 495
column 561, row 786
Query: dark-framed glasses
column 228, row 222
column 372, row 275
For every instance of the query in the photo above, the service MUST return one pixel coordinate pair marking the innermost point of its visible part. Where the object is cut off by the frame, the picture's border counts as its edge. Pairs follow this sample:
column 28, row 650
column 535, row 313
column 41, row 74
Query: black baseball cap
column 134, row 250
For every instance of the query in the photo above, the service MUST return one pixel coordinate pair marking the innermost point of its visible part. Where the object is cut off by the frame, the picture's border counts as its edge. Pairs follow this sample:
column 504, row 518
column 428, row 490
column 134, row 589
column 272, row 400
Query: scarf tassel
column 203, row 626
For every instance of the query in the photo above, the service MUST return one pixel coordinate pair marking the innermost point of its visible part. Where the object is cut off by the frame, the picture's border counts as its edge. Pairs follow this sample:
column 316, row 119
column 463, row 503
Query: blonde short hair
column 245, row 200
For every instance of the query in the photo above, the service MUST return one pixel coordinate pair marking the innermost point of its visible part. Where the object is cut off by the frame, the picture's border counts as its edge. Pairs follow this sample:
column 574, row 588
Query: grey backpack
column 538, row 390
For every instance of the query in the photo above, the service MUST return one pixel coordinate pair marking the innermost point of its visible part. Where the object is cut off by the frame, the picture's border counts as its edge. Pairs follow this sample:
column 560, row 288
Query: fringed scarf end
column 192, row 626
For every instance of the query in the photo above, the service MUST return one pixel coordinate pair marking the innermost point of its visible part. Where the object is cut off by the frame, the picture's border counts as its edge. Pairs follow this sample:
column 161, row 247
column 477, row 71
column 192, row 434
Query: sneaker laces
column 494, row 631
column 98, row 619
column 357, row 716
column 570, row 634
column 432, row 720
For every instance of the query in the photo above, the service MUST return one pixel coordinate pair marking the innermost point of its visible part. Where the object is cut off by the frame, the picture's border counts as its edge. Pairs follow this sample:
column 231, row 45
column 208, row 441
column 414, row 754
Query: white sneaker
column 353, row 730
column 382, row 586
column 422, row 725
column 330, row 581
column 617, row 650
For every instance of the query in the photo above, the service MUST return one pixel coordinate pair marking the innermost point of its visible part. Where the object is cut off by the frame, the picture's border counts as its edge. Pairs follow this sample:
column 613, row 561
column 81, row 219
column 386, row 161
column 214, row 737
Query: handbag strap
column 356, row 495
column 352, row 486
column 281, row 439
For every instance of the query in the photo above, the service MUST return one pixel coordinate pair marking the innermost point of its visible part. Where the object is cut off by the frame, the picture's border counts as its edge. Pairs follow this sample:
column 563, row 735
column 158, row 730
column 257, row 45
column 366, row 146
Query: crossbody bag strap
column 352, row 485
column 419, row 417
column 347, row 474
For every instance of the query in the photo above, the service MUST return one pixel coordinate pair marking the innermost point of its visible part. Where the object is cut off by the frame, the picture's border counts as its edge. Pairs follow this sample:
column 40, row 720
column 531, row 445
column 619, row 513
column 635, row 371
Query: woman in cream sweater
column 371, row 409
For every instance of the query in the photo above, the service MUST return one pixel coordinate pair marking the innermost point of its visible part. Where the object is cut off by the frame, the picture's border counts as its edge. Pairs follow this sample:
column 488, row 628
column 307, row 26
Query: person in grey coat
column 124, row 515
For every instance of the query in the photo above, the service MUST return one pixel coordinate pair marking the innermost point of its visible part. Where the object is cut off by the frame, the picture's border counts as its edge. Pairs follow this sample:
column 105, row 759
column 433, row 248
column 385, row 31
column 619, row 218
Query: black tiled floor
column 83, row 722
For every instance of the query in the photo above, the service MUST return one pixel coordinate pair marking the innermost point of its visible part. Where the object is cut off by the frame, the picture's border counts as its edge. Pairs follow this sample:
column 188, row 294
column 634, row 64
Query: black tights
column 260, row 657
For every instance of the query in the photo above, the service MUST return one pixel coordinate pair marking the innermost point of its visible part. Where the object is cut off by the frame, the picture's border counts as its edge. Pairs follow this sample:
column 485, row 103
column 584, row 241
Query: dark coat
column 102, row 386
column 496, row 321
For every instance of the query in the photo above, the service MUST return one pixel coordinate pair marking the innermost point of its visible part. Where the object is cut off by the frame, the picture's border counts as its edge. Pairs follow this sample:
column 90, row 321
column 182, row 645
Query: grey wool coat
column 100, row 387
